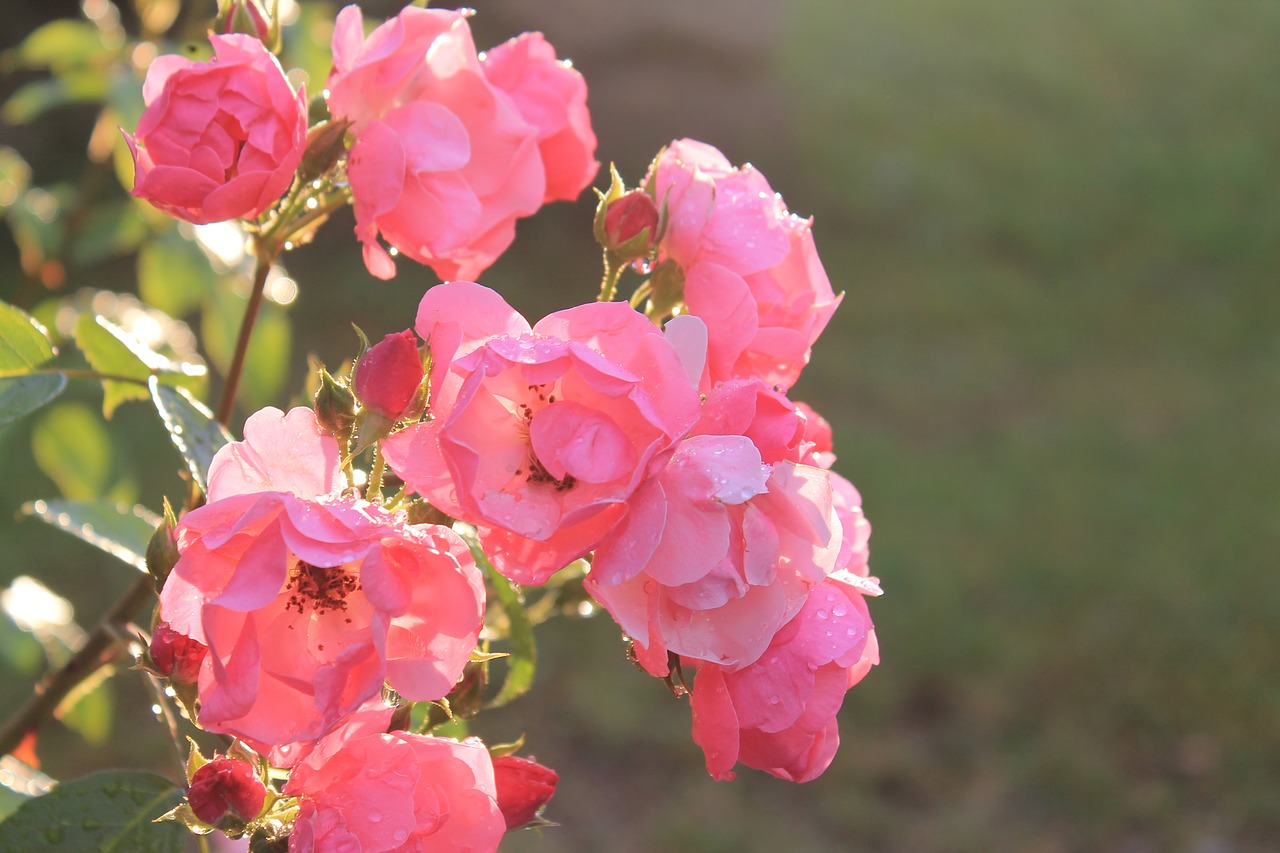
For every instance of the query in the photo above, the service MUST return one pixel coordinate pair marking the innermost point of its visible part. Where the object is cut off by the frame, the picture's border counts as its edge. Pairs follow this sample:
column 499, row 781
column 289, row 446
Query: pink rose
column 552, row 97
column 388, row 375
column 815, row 449
column 524, row 787
column 716, row 553
column 219, row 139
column 751, row 270
column 226, row 792
column 444, row 160
column 779, row 714
column 174, row 655
column 309, row 598
column 539, row 435
column 719, row 549
column 376, row 793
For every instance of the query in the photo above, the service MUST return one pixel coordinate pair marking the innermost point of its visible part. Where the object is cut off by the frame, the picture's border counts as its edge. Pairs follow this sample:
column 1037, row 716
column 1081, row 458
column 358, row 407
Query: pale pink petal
column 281, row 452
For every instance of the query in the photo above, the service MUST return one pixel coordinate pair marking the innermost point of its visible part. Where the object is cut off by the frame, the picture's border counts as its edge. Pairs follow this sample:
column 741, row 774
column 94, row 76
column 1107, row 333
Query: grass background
column 1055, row 378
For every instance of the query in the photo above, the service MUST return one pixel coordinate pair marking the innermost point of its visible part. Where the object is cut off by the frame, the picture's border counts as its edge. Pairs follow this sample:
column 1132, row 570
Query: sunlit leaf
column 38, row 97
column 118, row 529
column 108, row 811
column 22, row 395
column 111, row 350
column 15, row 175
column 90, row 710
column 61, row 43
column 24, row 344
column 71, row 447
column 192, row 428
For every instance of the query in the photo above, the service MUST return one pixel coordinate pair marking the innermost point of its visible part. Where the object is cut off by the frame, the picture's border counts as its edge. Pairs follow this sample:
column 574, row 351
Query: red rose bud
column 625, row 222
column 226, row 791
column 524, row 786
column 389, row 374
column 176, row 655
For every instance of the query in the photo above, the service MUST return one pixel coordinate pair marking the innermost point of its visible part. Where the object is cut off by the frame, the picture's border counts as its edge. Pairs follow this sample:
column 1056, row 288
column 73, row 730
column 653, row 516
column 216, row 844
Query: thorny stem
column 375, row 478
column 613, row 268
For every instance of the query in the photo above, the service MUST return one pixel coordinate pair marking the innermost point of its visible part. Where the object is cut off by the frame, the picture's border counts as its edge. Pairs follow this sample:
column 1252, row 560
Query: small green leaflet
column 24, row 347
column 120, row 531
column 191, row 427
column 112, row 350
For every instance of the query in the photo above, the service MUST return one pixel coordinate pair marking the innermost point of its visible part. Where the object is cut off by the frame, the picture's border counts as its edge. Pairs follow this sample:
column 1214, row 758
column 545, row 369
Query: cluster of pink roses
column 717, row 532
column 292, row 603
column 451, row 146
column 668, row 454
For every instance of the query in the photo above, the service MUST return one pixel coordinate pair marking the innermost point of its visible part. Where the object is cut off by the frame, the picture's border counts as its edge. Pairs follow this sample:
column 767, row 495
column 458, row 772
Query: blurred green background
column 1055, row 377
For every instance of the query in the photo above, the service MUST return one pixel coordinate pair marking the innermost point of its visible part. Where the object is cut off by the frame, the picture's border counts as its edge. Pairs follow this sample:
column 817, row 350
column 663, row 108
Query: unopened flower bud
column 226, row 792
column 162, row 549
column 631, row 225
column 326, row 143
column 243, row 16
column 389, row 375
column 176, row 655
column 523, row 787
column 335, row 405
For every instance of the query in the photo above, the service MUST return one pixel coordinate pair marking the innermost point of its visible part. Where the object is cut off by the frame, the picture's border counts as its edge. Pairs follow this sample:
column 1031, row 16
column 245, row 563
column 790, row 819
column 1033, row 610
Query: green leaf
column 24, row 343
column 120, row 530
column 72, row 449
column 524, row 649
column 36, row 98
column 91, row 713
column 191, row 427
column 112, row 350
column 58, row 44
column 110, row 812
column 112, row 228
column 15, row 175
column 173, row 274
column 21, row 395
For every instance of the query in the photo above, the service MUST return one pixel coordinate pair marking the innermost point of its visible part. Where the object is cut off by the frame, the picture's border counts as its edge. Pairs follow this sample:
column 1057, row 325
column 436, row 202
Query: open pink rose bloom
column 751, row 271
column 309, row 598
column 539, row 435
column 451, row 149
column 362, row 789
column 220, row 139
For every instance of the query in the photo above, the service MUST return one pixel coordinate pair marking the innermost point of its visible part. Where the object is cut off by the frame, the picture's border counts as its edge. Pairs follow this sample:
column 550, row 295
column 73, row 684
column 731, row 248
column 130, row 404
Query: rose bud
column 226, row 792
column 524, row 787
column 631, row 225
column 389, row 374
column 243, row 16
column 175, row 655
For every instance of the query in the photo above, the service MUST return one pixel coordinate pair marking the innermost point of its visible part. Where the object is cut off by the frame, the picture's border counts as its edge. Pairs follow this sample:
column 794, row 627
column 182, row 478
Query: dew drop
column 375, row 817
column 773, row 700
column 822, row 614
column 401, row 834
column 840, row 609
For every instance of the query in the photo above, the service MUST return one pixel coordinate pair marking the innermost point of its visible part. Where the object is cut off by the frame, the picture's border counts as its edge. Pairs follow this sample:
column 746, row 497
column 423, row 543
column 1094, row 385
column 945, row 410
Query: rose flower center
column 319, row 588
